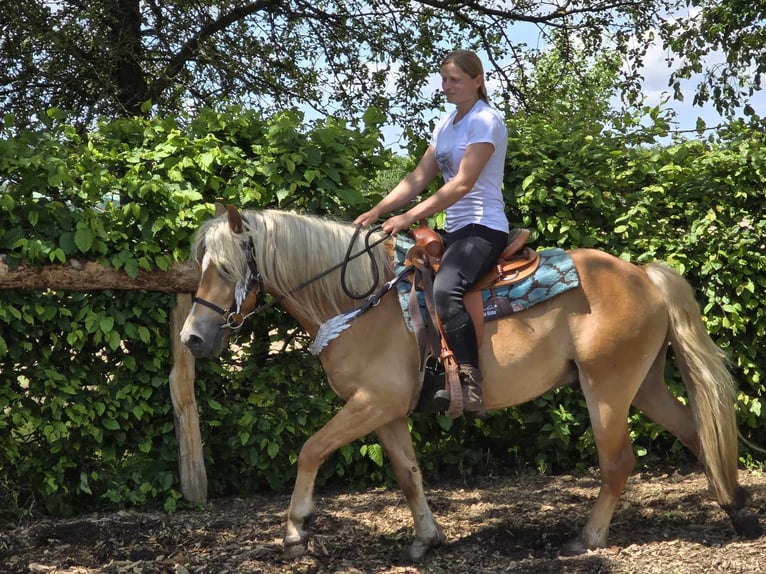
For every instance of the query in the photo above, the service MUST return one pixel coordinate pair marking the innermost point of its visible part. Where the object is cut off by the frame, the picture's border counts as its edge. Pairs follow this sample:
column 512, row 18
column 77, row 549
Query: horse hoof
column 747, row 525
column 415, row 554
column 419, row 549
column 292, row 550
column 573, row 548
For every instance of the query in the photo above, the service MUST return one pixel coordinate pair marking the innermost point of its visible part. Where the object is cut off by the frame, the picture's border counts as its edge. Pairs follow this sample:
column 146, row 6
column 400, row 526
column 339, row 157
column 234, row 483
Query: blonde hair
column 470, row 63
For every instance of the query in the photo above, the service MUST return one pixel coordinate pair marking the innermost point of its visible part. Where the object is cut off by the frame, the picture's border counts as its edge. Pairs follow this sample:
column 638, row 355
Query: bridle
column 233, row 318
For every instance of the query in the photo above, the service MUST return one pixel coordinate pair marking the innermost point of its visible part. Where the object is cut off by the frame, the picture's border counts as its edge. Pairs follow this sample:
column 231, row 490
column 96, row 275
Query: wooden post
column 191, row 463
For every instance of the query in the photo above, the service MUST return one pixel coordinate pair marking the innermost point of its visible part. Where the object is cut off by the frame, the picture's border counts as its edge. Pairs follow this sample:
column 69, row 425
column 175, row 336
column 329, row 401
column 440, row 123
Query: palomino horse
column 610, row 335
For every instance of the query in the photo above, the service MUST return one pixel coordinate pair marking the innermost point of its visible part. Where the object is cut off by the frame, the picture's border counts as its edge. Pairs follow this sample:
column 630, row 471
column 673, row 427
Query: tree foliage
column 112, row 58
column 733, row 28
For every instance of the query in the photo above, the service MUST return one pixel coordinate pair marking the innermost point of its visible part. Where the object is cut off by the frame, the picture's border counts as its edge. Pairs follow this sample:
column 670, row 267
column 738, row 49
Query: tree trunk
column 123, row 21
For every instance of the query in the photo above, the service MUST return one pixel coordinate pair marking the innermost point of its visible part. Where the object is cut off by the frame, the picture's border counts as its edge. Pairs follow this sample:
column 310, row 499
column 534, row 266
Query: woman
column 468, row 147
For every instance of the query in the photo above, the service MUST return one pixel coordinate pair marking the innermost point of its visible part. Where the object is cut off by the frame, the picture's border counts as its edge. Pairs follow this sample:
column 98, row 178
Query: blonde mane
column 291, row 248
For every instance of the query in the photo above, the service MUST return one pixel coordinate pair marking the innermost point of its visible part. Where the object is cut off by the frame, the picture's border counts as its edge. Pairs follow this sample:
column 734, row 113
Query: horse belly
column 526, row 355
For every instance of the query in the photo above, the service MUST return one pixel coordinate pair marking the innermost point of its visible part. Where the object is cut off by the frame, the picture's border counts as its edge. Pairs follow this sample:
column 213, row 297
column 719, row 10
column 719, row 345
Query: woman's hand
column 391, row 226
column 398, row 223
column 368, row 217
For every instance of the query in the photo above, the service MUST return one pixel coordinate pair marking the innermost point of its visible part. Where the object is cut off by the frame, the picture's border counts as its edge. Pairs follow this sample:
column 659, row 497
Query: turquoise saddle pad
column 556, row 275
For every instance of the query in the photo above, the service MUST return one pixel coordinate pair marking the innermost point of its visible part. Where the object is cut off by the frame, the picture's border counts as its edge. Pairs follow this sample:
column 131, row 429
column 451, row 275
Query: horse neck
column 290, row 258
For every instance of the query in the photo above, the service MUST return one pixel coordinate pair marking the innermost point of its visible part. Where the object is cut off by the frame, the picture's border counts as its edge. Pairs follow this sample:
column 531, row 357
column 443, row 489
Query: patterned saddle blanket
column 556, row 275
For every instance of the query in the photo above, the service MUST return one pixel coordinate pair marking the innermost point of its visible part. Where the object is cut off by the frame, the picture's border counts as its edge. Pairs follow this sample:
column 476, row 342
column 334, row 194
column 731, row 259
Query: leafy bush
column 87, row 421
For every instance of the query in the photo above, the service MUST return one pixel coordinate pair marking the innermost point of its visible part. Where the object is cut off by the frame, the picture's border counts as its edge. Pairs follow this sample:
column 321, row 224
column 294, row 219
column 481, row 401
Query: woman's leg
column 470, row 253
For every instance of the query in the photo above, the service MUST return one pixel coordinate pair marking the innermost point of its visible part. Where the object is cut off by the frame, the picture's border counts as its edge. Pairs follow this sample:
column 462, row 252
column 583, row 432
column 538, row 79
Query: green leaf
column 106, row 324
column 131, row 268
column 375, row 452
column 144, row 334
column 67, row 243
column 170, row 505
column 444, row 422
column 114, row 340
column 83, row 239
column 215, row 405
column 84, row 483
column 527, row 181
column 57, row 254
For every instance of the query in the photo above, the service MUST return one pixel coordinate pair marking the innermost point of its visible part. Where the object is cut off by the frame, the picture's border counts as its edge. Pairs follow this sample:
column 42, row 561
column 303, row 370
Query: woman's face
column 459, row 87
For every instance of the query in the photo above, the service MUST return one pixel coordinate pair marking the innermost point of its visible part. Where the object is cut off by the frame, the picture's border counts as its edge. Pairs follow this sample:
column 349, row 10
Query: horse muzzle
column 205, row 339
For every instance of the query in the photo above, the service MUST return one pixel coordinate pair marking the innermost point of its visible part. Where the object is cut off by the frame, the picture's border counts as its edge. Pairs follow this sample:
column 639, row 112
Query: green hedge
column 87, row 421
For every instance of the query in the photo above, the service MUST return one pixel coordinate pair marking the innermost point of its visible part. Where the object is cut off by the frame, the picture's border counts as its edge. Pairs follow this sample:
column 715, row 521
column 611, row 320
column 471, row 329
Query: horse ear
column 219, row 209
column 235, row 220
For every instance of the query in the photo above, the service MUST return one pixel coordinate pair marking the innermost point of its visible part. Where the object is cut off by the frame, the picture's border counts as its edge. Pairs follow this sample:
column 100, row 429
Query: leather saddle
column 516, row 262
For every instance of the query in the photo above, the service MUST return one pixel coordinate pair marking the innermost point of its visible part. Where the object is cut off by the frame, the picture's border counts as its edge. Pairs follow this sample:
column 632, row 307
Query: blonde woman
column 468, row 148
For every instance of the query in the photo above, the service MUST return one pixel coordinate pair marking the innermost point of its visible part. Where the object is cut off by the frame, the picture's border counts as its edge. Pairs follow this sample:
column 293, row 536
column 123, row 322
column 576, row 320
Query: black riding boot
column 462, row 342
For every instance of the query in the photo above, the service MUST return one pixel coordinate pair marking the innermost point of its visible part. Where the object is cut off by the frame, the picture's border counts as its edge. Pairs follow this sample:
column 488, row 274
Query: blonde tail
column 708, row 382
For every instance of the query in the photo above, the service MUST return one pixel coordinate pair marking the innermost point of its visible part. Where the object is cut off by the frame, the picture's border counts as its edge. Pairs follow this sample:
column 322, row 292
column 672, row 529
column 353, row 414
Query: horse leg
column 359, row 416
column 397, row 443
column 655, row 400
column 615, row 461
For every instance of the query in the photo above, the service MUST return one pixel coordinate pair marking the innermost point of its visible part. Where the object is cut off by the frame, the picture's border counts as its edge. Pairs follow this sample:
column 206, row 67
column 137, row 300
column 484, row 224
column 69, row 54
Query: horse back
column 596, row 329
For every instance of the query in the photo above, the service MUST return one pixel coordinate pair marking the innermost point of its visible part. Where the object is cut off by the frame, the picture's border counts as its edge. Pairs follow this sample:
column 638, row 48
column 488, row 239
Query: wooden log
column 77, row 275
column 191, row 463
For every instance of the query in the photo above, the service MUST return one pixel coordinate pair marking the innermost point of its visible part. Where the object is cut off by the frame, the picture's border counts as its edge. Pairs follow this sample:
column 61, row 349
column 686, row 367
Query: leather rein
column 233, row 318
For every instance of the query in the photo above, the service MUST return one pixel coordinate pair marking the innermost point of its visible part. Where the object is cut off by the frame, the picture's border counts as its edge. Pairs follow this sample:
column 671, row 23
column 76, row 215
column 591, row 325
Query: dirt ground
column 666, row 523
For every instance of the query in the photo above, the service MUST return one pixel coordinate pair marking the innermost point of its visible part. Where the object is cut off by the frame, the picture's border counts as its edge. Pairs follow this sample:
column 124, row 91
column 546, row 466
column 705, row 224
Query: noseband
column 233, row 317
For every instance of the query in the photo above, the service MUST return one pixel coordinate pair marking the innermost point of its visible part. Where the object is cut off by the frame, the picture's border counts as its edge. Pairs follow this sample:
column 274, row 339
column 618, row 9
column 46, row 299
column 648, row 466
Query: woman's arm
column 406, row 190
column 474, row 159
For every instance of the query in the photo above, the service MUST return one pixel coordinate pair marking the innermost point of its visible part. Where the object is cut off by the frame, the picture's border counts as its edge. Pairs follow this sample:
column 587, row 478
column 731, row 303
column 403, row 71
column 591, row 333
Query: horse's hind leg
column 655, row 400
column 397, row 442
column 615, row 459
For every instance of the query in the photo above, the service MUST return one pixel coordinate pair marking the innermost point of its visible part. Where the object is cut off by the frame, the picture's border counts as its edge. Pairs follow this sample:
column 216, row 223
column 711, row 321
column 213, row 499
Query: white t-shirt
column 484, row 204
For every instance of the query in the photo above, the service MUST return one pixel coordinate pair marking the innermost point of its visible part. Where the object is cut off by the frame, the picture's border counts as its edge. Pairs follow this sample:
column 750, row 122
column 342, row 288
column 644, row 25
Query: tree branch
column 190, row 49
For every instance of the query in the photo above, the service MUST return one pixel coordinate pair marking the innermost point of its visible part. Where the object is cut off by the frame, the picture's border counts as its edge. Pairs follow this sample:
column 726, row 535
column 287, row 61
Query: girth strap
column 426, row 334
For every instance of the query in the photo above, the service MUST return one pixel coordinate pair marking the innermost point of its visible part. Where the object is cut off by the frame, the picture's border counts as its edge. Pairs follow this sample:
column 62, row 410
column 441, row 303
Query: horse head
column 229, row 287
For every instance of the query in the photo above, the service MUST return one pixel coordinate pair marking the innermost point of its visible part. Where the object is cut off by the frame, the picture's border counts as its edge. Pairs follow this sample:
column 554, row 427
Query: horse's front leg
column 397, row 442
column 359, row 417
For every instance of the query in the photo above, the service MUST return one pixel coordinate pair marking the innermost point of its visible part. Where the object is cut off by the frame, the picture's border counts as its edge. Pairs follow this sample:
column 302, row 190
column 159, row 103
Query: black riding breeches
column 470, row 252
